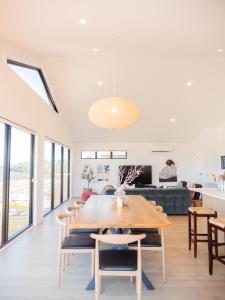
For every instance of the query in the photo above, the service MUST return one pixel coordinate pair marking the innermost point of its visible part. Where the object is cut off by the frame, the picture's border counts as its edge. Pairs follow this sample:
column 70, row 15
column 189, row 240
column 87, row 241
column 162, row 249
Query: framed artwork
column 168, row 172
column 223, row 162
column 103, row 172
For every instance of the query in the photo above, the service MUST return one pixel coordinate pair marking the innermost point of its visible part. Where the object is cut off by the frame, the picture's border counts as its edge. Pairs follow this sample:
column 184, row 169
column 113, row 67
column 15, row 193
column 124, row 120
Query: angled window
column 33, row 77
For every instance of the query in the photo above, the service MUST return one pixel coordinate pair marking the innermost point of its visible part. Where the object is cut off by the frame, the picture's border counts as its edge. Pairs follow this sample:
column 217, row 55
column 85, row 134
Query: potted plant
column 88, row 175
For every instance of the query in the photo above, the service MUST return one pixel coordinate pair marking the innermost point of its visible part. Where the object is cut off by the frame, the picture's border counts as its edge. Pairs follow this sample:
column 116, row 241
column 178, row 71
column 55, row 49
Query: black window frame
column 52, row 178
column 96, row 154
column 125, row 152
column 6, row 186
column 41, row 74
column 68, row 174
column 53, row 143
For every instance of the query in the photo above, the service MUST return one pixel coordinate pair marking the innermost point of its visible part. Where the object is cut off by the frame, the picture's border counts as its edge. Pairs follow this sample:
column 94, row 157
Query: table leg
column 147, row 282
column 91, row 284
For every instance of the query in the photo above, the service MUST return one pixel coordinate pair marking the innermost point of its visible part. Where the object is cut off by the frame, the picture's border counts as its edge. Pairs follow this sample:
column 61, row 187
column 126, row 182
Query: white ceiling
column 162, row 44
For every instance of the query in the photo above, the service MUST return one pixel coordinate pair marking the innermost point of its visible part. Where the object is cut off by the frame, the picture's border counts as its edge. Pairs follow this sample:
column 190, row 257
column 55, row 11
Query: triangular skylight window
column 34, row 77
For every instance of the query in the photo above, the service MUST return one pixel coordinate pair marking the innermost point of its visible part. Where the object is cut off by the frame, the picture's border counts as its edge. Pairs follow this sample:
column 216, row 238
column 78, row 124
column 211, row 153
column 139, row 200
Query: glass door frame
column 53, row 143
column 6, row 185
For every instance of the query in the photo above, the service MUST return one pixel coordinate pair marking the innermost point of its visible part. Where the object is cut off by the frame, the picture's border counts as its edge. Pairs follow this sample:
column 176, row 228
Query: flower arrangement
column 88, row 175
column 221, row 180
column 221, row 177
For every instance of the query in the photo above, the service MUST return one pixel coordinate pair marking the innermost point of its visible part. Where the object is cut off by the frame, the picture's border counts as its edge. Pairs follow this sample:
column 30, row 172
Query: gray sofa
column 175, row 201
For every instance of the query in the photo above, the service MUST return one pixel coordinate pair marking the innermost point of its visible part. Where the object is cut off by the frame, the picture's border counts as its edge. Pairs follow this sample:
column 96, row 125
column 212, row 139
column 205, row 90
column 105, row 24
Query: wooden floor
column 28, row 270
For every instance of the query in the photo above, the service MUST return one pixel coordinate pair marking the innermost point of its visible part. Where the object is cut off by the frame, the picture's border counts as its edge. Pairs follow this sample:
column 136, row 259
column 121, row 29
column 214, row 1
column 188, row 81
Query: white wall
column 19, row 104
column 208, row 147
column 196, row 161
column 138, row 153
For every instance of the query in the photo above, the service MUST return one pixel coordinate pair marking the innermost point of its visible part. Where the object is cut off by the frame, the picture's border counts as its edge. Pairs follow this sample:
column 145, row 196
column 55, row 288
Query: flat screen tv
column 140, row 175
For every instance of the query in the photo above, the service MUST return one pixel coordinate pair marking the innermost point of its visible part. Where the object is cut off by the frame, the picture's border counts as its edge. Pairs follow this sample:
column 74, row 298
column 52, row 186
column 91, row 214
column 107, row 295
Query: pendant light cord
column 114, row 67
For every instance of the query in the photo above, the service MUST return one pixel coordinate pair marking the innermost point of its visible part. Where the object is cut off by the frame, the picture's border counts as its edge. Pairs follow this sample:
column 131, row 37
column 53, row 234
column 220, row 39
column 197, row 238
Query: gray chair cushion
column 151, row 240
column 81, row 241
column 75, row 231
column 144, row 230
column 118, row 260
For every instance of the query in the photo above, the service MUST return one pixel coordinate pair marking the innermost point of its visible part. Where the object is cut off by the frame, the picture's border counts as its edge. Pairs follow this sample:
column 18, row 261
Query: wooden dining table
column 100, row 211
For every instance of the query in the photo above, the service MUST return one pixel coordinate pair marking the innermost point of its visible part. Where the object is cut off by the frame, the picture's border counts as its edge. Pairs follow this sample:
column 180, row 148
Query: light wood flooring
column 28, row 270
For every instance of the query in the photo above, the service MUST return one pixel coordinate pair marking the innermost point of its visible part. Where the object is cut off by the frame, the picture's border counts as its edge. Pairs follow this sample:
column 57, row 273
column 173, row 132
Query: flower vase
column 221, row 186
column 120, row 191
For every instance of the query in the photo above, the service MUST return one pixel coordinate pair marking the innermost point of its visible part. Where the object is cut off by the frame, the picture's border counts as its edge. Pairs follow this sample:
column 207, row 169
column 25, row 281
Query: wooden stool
column 213, row 226
column 197, row 212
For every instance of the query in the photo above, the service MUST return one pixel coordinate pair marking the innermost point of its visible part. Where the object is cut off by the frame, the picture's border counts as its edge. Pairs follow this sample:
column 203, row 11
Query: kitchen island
column 212, row 198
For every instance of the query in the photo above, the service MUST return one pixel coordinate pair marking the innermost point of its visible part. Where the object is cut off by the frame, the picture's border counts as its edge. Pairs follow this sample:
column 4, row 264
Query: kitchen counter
column 211, row 192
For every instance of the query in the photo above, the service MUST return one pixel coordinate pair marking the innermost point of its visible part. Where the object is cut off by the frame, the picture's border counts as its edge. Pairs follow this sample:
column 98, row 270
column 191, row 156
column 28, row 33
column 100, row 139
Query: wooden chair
column 159, row 208
column 215, row 225
column 73, row 210
column 154, row 241
column 107, row 187
column 69, row 244
column 118, row 262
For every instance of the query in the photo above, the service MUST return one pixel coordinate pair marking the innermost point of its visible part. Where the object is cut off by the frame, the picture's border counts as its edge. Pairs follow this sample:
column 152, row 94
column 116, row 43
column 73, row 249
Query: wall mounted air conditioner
column 162, row 148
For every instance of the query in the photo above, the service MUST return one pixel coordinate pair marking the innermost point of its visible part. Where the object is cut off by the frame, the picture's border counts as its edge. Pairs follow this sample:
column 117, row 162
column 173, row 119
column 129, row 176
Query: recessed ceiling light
column 219, row 50
column 95, row 50
column 100, row 83
column 83, row 21
column 189, row 83
column 172, row 120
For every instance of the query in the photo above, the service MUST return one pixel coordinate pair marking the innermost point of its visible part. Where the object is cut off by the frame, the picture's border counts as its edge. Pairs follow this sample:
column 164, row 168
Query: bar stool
column 214, row 225
column 198, row 212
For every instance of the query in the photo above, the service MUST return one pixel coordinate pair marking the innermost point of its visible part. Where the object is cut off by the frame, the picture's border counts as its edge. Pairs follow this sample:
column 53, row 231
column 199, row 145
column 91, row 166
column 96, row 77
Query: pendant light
column 114, row 112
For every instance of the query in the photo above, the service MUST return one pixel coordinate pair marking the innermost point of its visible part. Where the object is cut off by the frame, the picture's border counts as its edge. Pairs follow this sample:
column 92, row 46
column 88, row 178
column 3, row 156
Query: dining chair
column 118, row 262
column 152, row 202
column 71, row 244
column 74, row 210
column 159, row 208
column 154, row 241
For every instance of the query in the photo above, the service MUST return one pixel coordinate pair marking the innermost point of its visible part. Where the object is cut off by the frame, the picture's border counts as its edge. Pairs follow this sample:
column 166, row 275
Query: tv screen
column 140, row 175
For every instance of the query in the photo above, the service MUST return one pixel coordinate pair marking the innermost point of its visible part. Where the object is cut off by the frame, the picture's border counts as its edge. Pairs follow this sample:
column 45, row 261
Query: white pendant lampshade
column 114, row 113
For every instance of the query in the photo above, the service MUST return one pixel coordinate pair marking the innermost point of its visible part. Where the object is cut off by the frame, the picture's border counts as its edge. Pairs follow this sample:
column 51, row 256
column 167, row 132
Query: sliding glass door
column 48, row 159
column 2, row 142
column 20, row 184
column 16, row 181
column 57, row 175
column 65, row 173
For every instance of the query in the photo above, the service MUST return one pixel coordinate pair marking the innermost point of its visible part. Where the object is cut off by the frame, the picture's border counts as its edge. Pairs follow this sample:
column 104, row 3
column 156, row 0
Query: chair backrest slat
column 118, row 238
